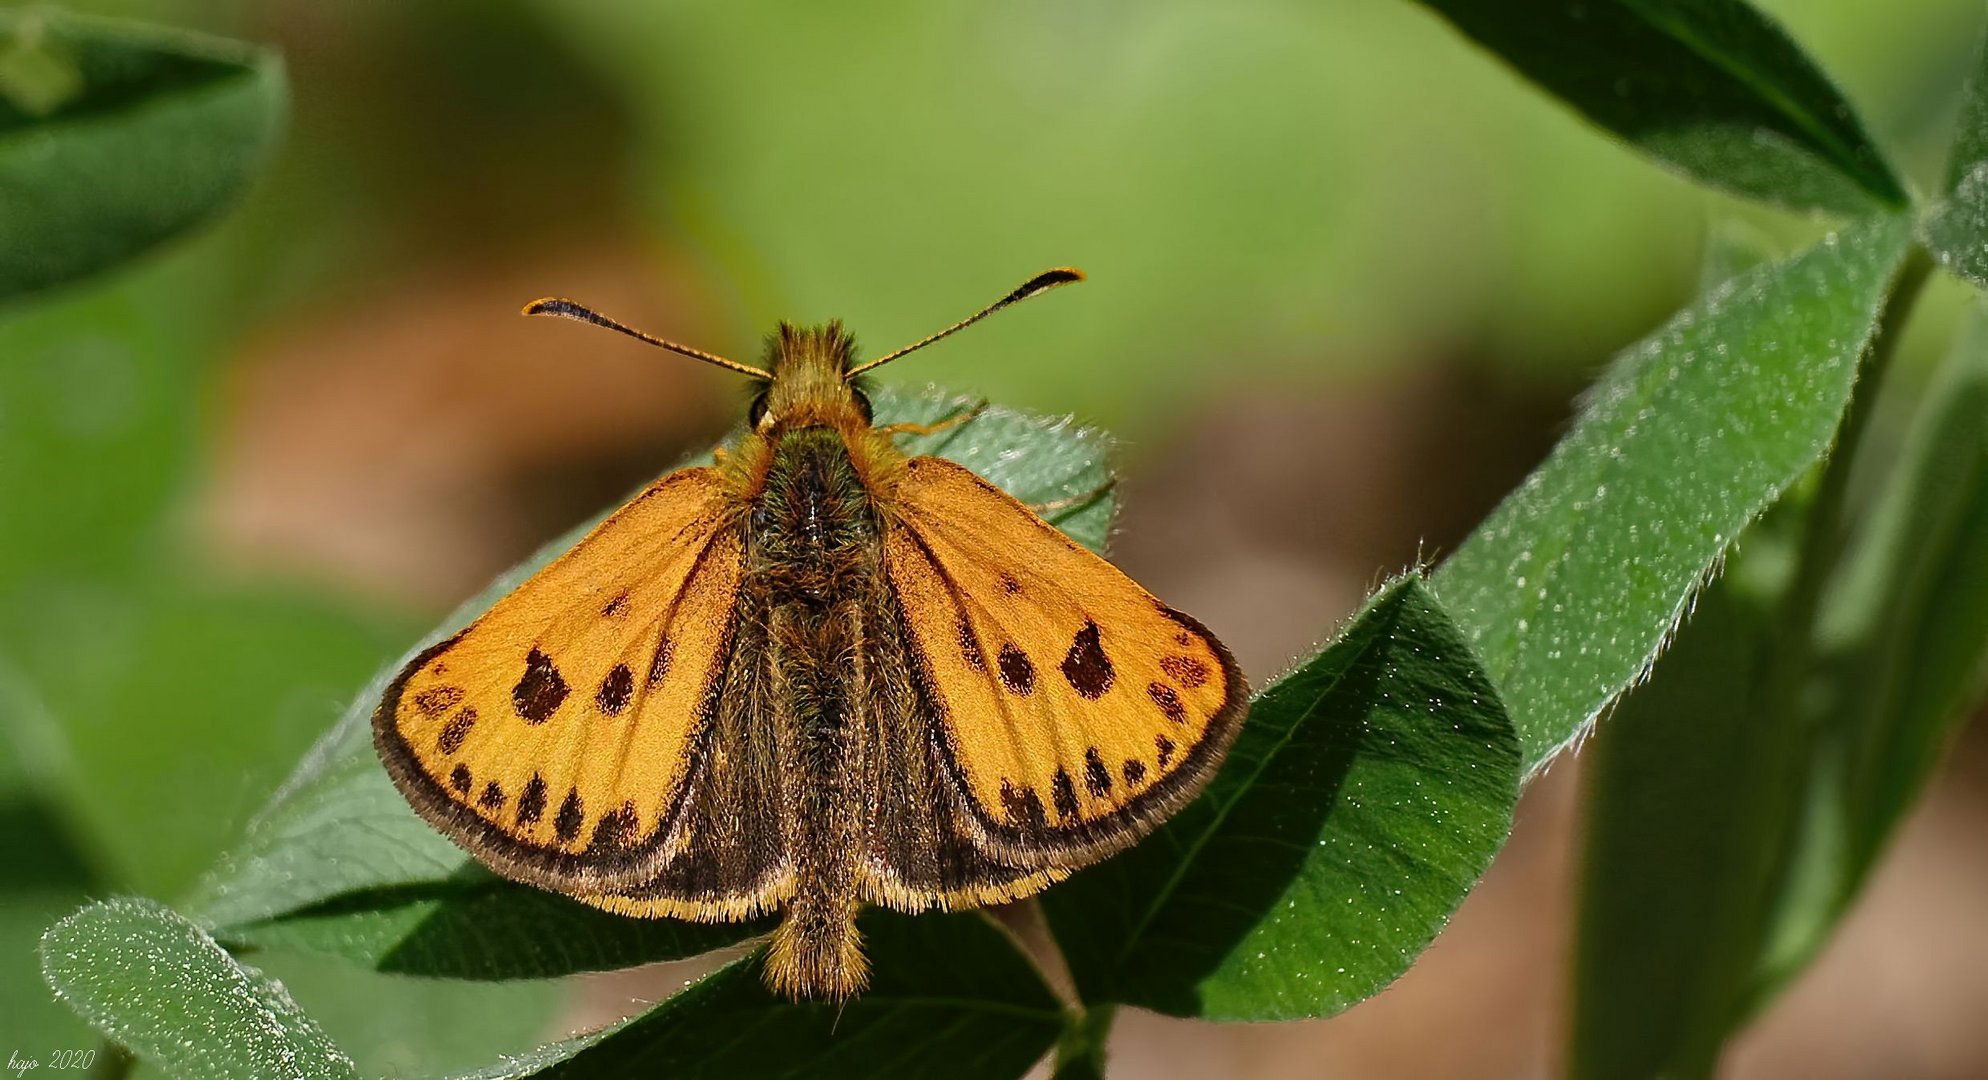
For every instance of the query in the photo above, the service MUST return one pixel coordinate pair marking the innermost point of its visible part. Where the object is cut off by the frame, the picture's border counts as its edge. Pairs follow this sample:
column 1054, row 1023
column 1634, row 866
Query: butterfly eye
column 863, row 403
column 758, row 411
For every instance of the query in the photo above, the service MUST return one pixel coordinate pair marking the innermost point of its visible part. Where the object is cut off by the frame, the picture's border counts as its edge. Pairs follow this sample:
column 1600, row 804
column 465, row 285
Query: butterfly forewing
column 553, row 737
column 1073, row 708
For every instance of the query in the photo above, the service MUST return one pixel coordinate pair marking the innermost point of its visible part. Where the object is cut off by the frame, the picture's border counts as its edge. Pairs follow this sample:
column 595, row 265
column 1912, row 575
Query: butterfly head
column 810, row 374
column 808, row 382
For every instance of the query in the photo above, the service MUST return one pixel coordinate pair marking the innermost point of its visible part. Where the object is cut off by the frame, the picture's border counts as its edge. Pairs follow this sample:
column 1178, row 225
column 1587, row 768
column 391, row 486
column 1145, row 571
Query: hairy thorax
column 814, row 528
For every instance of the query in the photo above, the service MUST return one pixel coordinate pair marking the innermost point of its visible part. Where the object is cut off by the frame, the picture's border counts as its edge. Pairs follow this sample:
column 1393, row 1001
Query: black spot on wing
column 540, row 691
column 616, row 607
column 437, row 700
column 1165, row 746
column 571, row 816
column 460, row 779
column 1064, row 791
column 616, row 831
column 492, row 797
column 1097, row 778
column 1185, row 670
column 1087, row 668
column 1024, row 808
column 1010, row 585
column 1135, row 772
column 456, row 730
column 1017, row 672
column 615, row 690
column 531, row 804
column 1168, row 701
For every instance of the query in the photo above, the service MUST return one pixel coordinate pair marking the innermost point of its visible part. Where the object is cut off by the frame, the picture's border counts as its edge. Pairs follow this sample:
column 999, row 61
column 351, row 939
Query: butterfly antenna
column 567, row 309
column 1041, row 283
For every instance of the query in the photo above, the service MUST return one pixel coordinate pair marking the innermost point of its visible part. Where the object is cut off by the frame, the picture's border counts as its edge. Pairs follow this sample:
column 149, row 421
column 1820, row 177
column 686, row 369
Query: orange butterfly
column 818, row 675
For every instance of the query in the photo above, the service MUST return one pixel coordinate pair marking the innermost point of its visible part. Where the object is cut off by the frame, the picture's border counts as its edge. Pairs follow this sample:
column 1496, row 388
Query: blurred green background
column 1347, row 274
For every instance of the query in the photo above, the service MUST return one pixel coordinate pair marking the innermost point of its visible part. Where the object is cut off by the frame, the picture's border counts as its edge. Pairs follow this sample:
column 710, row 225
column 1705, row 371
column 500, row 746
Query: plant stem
column 1080, row 1052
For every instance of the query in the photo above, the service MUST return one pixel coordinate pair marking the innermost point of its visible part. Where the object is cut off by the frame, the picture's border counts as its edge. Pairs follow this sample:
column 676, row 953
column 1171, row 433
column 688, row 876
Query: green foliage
column 106, row 629
column 950, row 997
column 154, row 982
column 1689, row 786
column 1742, row 798
column 395, row 1026
column 1363, row 799
column 114, row 138
column 1956, row 229
column 1709, row 87
column 1571, row 586
column 1739, row 800
column 1899, row 649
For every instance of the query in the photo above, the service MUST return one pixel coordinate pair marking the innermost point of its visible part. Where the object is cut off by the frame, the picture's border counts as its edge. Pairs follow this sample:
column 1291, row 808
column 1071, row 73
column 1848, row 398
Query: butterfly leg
column 937, row 426
column 1071, row 502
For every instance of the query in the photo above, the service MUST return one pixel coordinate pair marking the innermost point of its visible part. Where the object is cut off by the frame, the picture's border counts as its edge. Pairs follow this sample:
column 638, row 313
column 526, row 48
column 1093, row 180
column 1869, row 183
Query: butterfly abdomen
column 815, row 556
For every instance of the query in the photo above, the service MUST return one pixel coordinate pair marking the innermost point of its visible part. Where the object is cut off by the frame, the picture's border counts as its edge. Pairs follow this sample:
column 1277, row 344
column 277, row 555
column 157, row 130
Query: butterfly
column 816, row 675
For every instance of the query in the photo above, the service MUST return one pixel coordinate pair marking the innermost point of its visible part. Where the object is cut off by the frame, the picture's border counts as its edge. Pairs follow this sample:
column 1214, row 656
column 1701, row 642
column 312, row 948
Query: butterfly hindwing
column 733, row 860
column 1073, row 710
column 554, row 737
column 921, row 848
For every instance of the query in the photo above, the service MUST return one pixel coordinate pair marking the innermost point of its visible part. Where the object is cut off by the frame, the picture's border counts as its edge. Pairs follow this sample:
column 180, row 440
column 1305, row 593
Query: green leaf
column 950, row 995
column 338, row 863
column 1367, row 792
column 1956, row 229
column 1035, row 459
column 1901, row 643
column 395, row 1026
column 1711, row 88
column 1568, row 590
column 151, row 980
column 1689, row 807
column 1970, row 136
column 116, row 137
column 1739, row 799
